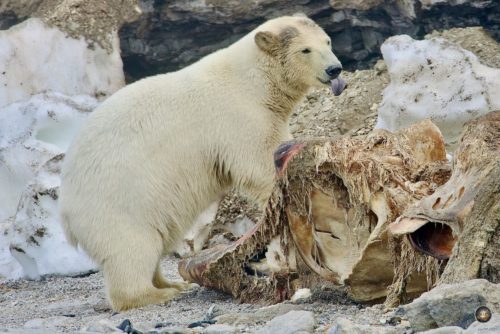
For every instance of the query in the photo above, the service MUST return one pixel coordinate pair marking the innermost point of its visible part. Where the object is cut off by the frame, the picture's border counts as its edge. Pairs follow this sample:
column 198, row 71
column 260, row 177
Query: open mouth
column 429, row 237
column 434, row 239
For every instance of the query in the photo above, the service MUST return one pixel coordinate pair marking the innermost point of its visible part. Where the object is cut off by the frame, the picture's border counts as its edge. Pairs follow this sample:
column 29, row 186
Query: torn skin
column 284, row 153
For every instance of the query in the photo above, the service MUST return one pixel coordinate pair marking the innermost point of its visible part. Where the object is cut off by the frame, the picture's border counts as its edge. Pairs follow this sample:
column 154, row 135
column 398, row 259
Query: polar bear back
column 140, row 134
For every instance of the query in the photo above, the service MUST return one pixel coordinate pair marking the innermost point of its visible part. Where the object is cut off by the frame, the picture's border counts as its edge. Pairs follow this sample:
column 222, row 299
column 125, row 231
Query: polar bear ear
column 266, row 41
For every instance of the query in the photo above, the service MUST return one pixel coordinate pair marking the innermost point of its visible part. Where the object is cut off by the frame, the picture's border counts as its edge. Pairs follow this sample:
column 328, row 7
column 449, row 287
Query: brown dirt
column 95, row 20
column 476, row 40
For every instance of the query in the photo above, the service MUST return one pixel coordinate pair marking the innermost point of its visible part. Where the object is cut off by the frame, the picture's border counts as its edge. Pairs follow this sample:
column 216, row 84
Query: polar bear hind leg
column 132, row 275
column 160, row 282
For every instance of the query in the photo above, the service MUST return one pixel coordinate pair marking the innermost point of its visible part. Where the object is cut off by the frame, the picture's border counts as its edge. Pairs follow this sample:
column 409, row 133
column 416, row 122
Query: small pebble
column 126, row 326
column 300, row 295
column 220, row 329
column 201, row 323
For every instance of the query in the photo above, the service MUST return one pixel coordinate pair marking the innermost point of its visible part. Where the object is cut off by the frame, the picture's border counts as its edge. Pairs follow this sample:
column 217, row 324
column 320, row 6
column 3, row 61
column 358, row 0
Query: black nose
column 333, row 71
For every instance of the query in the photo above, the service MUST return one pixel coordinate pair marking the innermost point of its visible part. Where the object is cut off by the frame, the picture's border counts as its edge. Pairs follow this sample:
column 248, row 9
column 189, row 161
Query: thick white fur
column 159, row 151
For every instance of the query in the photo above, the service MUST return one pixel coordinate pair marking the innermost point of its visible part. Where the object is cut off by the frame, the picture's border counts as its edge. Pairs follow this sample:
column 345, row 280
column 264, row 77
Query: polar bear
column 156, row 153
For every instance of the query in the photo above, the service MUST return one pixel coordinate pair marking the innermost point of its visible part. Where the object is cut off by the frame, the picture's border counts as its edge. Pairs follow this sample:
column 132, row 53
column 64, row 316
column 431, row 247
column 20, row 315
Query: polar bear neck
column 284, row 96
column 243, row 64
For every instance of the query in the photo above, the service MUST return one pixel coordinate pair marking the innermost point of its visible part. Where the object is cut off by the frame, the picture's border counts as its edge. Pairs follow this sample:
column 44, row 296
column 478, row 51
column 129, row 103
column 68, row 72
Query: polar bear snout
column 333, row 71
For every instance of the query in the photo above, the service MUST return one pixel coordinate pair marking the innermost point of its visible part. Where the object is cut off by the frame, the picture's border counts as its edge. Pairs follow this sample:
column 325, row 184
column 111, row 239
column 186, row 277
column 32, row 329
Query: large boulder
column 452, row 304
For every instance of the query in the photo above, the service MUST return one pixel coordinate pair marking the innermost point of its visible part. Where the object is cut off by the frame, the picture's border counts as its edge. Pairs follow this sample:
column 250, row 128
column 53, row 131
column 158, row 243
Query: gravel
column 77, row 304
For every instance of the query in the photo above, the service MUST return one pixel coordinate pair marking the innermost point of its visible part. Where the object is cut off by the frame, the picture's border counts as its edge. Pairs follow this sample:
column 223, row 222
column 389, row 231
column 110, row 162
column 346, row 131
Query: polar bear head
column 300, row 51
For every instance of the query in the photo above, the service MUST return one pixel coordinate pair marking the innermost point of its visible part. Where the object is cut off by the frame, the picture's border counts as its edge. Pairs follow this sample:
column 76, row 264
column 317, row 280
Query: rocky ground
column 64, row 304
column 77, row 305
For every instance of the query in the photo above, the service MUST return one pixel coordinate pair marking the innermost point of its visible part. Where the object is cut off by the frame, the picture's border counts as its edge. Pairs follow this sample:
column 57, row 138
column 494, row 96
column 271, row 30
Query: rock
column 212, row 25
column 445, row 330
column 194, row 29
column 101, row 326
column 212, row 312
column 356, row 4
column 95, row 20
column 261, row 315
column 55, row 62
column 201, row 323
column 435, row 79
column 28, row 331
column 491, row 326
column 127, row 327
column 346, row 326
column 48, row 323
column 452, row 304
column 301, row 295
column 220, row 329
column 293, row 322
column 172, row 330
column 34, row 134
column 14, row 11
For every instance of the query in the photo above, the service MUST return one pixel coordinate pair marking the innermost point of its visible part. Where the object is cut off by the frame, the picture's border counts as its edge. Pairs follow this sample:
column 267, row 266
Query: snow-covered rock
column 435, row 79
column 31, row 133
column 36, row 239
column 34, row 134
column 36, row 58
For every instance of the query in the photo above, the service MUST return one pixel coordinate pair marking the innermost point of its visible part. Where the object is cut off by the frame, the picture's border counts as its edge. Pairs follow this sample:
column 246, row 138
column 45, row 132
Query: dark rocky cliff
column 164, row 35
column 172, row 34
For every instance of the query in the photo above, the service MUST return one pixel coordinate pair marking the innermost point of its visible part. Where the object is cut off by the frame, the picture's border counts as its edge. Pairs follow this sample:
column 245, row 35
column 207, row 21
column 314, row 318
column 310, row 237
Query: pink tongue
column 338, row 86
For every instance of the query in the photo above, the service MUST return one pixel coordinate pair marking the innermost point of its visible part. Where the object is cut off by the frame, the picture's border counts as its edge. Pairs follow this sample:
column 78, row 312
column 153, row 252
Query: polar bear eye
column 306, row 50
column 328, row 42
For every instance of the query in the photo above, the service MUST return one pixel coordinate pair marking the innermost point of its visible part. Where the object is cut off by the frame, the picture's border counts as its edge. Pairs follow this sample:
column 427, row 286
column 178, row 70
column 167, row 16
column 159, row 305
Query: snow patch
column 35, row 58
column 34, row 134
column 435, row 79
